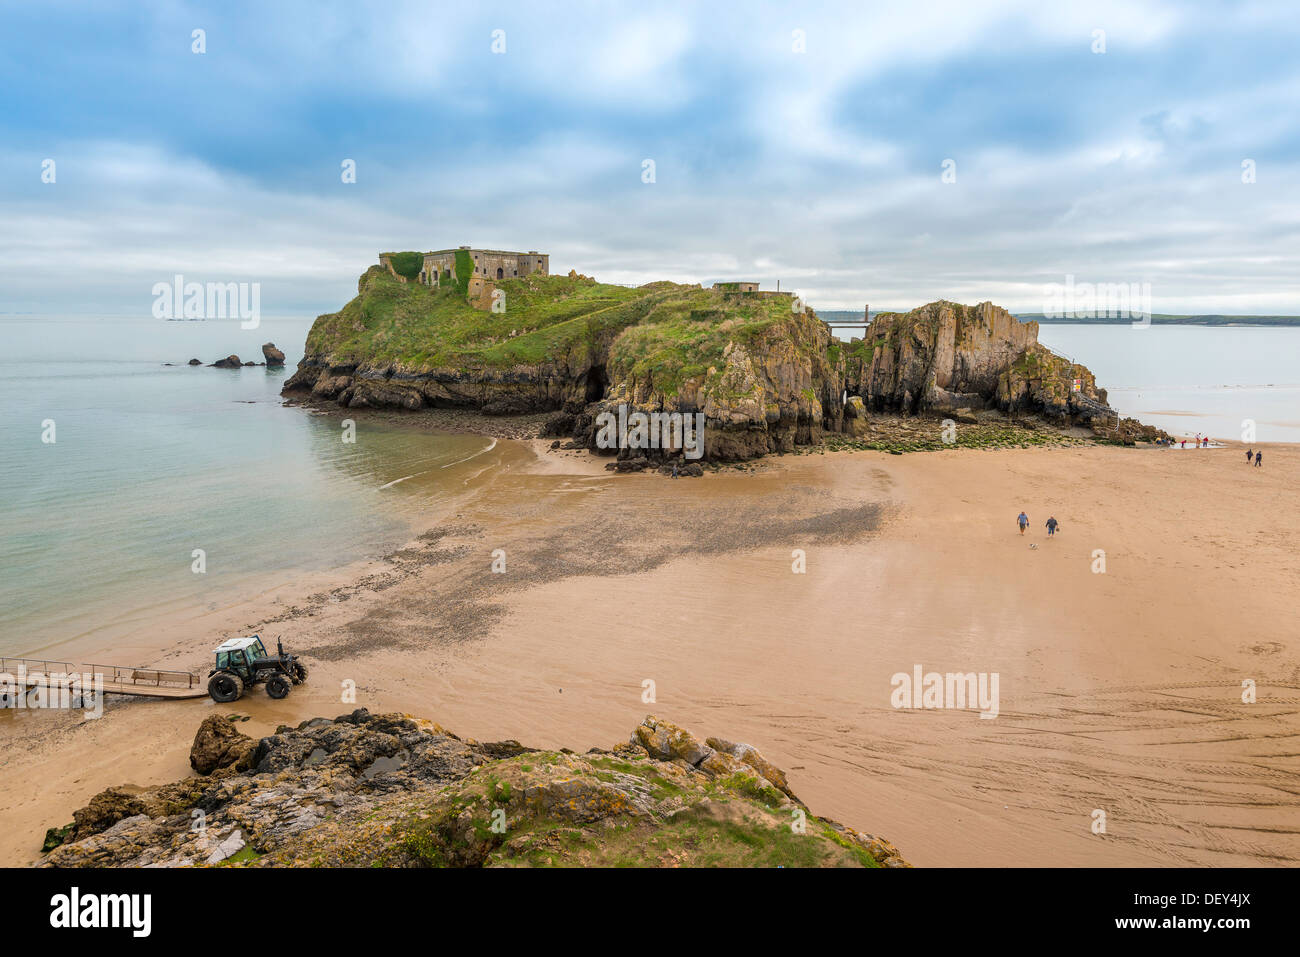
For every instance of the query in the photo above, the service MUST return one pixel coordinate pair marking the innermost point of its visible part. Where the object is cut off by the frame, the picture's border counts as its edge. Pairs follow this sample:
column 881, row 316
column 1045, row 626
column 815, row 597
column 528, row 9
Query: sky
column 881, row 153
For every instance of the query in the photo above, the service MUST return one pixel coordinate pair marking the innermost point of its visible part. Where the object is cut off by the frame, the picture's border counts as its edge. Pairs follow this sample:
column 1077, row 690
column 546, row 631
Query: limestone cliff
column 938, row 357
column 367, row 790
column 943, row 357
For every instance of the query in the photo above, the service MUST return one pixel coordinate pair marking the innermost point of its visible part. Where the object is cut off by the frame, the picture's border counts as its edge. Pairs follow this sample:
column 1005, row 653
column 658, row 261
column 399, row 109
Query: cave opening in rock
column 597, row 384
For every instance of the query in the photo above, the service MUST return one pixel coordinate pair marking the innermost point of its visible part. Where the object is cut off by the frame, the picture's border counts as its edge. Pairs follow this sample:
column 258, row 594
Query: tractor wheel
column 299, row 672
column 223, row 687
column 277, row 686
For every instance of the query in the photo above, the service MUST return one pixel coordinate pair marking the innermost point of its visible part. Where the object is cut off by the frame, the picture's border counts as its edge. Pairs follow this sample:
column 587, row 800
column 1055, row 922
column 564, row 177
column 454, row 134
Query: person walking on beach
column 1250, row 454
column 1051, row 526
column 1259, row 457
column 1023, row 521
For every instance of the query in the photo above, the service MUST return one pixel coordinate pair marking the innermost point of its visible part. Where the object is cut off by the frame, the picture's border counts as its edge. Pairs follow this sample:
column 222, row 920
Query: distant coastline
column 1164, row 319
column 1157, row 319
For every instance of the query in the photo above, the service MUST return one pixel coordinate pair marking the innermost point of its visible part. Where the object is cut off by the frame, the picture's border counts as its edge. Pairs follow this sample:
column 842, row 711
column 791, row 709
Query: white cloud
column 761, row 172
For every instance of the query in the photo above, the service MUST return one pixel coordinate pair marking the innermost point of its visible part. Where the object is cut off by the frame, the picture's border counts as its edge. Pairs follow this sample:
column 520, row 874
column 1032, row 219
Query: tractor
column 243, row 662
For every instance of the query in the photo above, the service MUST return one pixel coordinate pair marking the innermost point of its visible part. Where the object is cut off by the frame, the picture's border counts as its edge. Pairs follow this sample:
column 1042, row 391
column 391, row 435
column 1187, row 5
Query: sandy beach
column 1120, row 691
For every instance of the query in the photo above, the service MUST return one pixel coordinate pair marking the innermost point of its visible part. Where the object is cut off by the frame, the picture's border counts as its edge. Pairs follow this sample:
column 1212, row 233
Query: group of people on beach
column 1052, row 524
column 1202, row 442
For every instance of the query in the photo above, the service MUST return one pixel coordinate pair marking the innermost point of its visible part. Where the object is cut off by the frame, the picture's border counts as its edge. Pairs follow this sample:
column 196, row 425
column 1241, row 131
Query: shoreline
column 464, row 421
column 523, row 433
column 612, row 580
column 121, row 636
column 522, row 447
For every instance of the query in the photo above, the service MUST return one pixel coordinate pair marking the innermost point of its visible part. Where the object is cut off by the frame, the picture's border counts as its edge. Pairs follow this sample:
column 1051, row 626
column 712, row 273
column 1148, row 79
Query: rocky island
column 764, row 371
column 366, row 790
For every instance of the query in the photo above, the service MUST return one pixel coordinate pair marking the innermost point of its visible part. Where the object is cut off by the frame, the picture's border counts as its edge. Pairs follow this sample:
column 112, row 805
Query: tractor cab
column 241, row 656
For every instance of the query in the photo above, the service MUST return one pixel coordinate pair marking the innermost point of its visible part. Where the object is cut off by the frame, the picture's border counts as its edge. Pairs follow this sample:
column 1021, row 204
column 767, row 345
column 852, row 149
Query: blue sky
column 820, row 168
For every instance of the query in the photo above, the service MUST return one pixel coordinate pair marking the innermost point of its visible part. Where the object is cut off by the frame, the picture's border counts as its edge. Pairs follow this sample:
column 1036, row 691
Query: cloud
column 819, row 168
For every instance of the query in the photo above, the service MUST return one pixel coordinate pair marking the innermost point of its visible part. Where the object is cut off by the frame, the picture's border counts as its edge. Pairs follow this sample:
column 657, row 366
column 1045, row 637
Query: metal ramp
column 140, row 682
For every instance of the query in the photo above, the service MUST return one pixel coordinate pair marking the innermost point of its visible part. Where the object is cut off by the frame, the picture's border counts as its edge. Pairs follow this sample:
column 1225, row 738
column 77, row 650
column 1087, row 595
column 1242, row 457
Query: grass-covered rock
column 368, row 790
column 766, row 376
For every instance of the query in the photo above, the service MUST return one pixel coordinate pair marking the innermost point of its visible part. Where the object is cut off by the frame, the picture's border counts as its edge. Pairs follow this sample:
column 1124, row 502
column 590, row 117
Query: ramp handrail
column 146, row 676
column 64, row 667
column 134, row 676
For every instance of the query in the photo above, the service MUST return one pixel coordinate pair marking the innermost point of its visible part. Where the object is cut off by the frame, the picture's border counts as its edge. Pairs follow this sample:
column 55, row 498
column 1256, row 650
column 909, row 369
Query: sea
column 135, row 488
column 1240, row 383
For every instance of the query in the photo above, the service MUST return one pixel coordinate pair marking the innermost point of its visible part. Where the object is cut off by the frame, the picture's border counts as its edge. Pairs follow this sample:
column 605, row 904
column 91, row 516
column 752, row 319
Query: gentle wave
column 491, row 445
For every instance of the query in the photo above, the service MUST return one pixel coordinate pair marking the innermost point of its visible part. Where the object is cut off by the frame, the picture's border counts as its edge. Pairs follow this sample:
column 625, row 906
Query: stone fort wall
column 488, row 264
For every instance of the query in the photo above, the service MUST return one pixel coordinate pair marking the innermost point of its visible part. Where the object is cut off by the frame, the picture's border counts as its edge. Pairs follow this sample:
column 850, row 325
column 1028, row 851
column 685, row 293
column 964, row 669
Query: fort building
column 485, row 263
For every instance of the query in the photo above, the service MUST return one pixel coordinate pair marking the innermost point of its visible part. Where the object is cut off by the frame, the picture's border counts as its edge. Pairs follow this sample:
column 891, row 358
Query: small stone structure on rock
column 748, row 287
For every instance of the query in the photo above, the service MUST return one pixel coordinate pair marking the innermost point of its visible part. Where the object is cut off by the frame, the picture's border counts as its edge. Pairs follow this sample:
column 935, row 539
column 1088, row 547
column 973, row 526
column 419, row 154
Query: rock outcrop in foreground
column 388, row 790
column 764, row 372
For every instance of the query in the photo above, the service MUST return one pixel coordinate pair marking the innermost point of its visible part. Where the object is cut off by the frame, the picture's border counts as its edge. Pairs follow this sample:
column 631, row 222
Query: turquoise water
column 151, row 462
column 1190, row 379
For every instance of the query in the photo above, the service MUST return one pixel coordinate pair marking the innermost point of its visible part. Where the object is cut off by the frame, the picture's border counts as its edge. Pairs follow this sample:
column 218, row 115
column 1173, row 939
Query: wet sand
column 1119, row 691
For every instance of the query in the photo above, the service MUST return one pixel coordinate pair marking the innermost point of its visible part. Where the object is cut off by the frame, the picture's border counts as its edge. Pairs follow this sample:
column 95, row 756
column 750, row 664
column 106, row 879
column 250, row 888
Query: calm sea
column 150, row 462
column 1190, row 379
